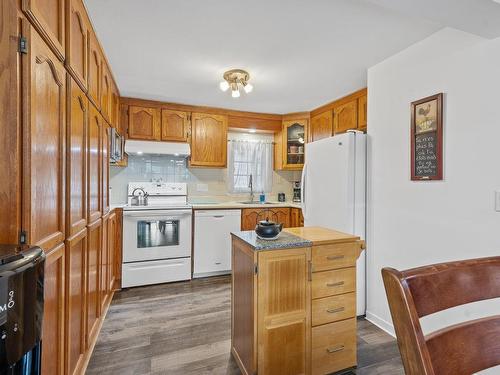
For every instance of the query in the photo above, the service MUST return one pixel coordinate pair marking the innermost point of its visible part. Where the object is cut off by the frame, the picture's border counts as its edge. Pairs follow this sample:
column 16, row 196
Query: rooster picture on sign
column 426, row 117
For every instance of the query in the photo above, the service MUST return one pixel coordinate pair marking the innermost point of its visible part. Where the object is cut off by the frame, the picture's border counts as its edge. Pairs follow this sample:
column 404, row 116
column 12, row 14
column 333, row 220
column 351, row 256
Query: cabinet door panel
column 76, row 182
column 346, row 117
column 321, row 126
column 284, row 312
column 174, row 125
column 53, row 317
column 143, row 123
column 104, row 263
column 44, row 141
column 94, row 71
column 48, row 18
column 105, row 91
column 93, row 274
column 94, row 166
column 208, row 140
column 76, row 251
column 112, row 232
column 77, row 28
column 362, row 112
column 10, row 122
column 105, row 166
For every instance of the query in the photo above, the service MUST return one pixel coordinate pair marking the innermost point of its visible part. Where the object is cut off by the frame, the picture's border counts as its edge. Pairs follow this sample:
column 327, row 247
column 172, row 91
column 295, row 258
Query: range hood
column 163, row 148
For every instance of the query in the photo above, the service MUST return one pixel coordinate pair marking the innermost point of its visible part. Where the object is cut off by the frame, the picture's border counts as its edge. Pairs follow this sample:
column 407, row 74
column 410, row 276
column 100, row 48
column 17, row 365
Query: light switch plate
column 497, row 200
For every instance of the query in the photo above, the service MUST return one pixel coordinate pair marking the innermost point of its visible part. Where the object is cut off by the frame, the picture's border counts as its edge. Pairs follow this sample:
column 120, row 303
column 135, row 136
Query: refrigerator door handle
column 302, row 190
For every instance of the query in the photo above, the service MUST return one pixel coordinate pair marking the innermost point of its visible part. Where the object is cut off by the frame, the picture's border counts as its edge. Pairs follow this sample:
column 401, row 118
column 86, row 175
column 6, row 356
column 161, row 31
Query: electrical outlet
column 202, row 187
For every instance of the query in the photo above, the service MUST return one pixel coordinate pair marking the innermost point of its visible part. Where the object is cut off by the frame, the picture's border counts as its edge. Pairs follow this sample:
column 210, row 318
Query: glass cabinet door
column 294, row 132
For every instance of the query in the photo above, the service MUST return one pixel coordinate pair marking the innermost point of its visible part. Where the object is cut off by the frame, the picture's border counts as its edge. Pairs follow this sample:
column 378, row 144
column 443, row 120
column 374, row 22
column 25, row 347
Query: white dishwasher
column 212, row 241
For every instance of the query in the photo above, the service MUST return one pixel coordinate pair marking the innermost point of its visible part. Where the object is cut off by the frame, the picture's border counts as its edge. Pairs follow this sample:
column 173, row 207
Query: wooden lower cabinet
column 334, row 346
column 251, row 216
column 76, row 270
column 112, row 235
column 93, row 278
column 296, row 217
column 53, row 320
column 286, row 317
column 283, row 312
column 104, row 264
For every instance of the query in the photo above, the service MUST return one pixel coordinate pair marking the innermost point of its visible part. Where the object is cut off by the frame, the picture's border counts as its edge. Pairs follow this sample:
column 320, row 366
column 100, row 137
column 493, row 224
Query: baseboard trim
column 90, row 350
column 381, row 323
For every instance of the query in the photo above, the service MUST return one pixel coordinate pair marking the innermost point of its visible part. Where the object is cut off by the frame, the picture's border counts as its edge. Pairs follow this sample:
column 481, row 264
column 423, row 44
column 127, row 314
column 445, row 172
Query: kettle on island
column 266, row 229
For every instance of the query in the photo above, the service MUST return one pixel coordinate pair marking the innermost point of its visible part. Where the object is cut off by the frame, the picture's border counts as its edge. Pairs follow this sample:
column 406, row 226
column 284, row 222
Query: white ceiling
column 300, row 54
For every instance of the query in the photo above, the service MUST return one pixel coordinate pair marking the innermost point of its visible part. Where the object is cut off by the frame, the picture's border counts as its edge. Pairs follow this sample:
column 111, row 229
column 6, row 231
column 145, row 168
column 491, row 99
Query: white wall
column 418, row 223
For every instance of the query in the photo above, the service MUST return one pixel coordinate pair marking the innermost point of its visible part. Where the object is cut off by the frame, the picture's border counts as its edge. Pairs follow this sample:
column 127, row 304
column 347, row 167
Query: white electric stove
column 157, row 236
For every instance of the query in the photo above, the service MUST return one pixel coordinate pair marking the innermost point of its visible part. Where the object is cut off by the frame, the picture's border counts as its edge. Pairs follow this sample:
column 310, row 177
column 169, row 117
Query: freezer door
column 329, row 183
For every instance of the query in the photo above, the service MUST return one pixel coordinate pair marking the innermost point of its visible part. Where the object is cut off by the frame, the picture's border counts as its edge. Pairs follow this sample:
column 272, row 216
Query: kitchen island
column 294, row 301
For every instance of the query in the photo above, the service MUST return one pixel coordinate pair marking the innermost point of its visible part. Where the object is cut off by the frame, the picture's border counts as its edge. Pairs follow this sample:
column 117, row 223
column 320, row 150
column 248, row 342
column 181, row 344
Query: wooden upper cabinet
column 53, row 314
column 143, row 123
column 345, row 116
column 208, row 140
column 115, row 107
column 94, row 166
column 76, row 174
column 94, row 71
column 76, row 269
column 105, row 146
column 321, row 126
column 174, row 125
column 363, row 113
column 44, row 145
column 294, row 137
column 106, row 91
column 77, row 32
column 283, row 312
column 48, row 18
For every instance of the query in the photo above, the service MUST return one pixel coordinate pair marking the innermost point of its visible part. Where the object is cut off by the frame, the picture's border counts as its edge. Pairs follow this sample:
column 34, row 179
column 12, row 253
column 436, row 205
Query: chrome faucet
column 250, row 185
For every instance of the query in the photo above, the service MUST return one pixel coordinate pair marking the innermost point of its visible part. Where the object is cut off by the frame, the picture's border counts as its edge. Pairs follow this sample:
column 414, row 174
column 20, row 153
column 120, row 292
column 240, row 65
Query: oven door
column 156, row 234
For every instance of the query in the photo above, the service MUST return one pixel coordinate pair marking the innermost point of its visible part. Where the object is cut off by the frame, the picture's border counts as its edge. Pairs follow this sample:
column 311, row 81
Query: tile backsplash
column 203, row 183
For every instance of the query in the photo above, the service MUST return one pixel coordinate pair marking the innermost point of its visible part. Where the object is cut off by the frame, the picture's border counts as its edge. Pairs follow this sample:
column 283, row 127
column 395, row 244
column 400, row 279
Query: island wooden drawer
column 330, row 283
column 329, row 257
column 334, row 347
column 332, row 309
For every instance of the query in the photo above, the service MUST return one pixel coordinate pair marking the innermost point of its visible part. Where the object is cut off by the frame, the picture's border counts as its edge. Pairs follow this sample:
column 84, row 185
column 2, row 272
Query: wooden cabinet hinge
column 23, row 45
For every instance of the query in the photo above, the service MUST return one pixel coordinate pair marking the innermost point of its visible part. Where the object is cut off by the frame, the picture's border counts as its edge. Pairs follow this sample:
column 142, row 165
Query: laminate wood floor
column 184, row 328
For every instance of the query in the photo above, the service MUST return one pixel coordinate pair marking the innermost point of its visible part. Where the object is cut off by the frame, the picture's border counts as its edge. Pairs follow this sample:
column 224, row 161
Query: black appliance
column 21, row 309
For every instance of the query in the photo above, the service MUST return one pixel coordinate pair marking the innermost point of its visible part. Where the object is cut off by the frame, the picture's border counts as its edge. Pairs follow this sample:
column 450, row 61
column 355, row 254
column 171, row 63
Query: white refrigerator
column 334, row 192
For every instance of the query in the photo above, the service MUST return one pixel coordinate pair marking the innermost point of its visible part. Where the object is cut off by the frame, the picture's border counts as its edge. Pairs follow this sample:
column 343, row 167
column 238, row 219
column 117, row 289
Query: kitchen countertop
column 239, row 205
column 214, row 205
column 321, row 236
column 284, row 241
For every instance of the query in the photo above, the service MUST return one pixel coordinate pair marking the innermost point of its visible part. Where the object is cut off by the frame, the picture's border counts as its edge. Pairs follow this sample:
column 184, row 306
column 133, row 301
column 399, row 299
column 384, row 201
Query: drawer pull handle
column 336, row 349
column 217, row 263
column 335, row 284
column 333, row 311
column 335, row 257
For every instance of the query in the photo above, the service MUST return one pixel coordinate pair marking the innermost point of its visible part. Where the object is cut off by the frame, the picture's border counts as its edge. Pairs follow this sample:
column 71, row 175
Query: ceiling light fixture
column 234, row 79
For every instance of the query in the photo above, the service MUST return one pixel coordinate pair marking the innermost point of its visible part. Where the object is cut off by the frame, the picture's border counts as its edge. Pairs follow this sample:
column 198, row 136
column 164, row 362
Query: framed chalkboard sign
column 427, row 138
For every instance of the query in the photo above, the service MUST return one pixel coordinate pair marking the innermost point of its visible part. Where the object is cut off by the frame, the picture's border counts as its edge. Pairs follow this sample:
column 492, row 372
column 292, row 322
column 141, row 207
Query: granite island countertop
column 284, row 241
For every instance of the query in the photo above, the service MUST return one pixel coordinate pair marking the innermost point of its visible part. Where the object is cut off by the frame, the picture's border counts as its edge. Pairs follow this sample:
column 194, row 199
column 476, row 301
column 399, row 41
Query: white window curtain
column 247, row 158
